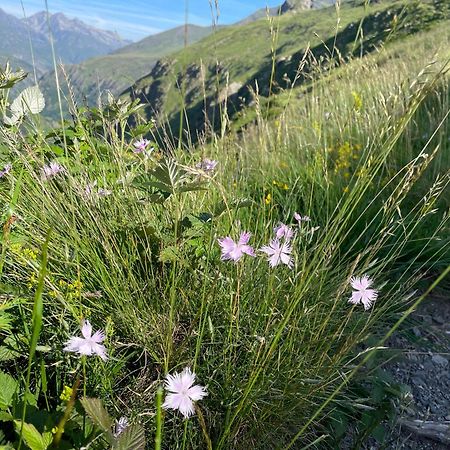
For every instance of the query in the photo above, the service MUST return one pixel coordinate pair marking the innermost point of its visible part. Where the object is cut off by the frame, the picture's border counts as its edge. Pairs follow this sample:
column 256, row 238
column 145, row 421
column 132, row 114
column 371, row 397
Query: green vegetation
column 100, row 225
column 118, row 70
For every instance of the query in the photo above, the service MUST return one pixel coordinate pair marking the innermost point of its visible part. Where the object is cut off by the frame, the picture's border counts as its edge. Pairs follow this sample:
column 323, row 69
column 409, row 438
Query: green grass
column 362, row 148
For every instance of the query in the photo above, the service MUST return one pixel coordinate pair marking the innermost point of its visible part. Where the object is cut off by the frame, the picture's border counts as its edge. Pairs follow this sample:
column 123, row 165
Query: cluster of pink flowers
column 278, row 250
column 182, row 392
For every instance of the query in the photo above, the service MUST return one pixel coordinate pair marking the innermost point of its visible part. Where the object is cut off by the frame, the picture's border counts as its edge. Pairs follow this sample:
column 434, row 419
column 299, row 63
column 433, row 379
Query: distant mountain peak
column 60, row 23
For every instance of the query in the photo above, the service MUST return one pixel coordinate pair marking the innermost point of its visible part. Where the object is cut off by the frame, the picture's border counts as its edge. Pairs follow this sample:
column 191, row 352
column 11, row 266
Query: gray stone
column 439, row 360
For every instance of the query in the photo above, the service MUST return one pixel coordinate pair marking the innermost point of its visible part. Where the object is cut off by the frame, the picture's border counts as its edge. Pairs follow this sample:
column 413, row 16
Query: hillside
column 244, row 58
column 74, row 41
column 118, row 70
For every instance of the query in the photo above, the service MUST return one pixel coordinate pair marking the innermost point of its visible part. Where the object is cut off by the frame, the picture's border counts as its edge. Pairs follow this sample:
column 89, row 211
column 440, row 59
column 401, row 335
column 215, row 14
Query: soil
column 424, row 366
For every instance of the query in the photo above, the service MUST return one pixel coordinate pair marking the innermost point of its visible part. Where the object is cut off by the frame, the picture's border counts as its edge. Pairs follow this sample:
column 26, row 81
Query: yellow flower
column 29, row 253
column 358, row 103
column 268, row 199
column 346, row 189
column 53, row 294
column 66, row 393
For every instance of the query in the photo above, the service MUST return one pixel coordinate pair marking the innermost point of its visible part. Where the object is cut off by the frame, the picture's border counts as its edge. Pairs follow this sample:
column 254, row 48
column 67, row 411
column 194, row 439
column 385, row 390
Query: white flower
column 182, row 392
column 89, row 344
column 361, row 292
column 278, row 253
column 121, row 425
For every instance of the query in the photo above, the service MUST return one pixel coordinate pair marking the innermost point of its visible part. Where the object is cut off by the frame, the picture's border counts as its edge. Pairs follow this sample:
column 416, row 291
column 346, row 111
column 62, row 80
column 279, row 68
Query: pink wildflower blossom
column 89, row 344
column 51, row 170
column 235, row 251
column 182, row 392
column 141, row 145
column 283, row 231
column 362, row 292
column 208, row 165
column 5, row 170
column 300, row 218
column 278, row 253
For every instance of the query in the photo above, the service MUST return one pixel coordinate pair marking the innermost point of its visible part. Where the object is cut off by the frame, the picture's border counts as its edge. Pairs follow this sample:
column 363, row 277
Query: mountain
column 206, row 83
column 287, row 6
column 74, row 40
column 15, row 38
column 121, row 68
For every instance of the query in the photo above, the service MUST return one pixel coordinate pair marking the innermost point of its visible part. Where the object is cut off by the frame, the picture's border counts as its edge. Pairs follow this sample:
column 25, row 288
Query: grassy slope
column 121, row 68
column 229, row 350
column 244, row 55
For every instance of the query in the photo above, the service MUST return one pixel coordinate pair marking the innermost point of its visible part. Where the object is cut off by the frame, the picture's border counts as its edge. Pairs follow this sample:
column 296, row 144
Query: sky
column 136, row 19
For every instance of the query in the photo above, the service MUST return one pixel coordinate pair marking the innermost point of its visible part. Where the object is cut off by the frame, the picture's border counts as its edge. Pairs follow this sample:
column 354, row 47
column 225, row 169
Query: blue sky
column 135, row 19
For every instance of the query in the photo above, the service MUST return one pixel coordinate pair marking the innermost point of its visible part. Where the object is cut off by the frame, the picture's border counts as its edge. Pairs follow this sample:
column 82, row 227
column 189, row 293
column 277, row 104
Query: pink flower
column 88, row 344
column 141, row 146
column 278, row 253
column 283, row 231
column 300, row 218
column 361, row 292
column 235, row 251
column 182, row 392
column 51, row 170
column 6, row 170
column 208, row 165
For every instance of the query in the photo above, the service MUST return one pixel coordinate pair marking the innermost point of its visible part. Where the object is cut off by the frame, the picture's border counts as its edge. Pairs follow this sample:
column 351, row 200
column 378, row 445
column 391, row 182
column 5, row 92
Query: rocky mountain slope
column 227, row 68
column 74, row 40
column 121, row 68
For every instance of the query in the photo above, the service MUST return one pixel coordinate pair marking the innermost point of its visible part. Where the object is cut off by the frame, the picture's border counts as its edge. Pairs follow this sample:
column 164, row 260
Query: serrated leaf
column 96, row 411
column 31, row 436
column 132, row 438
column 8, row 387
column 6, row 417
column 29, row 101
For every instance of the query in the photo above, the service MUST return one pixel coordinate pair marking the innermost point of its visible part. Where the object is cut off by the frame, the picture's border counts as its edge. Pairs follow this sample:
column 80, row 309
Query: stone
column 439, row 360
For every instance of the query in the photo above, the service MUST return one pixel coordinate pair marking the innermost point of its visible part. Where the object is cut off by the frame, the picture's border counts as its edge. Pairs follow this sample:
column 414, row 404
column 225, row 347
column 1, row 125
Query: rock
column 439, row 319
column 416, row 332
column 439, row 360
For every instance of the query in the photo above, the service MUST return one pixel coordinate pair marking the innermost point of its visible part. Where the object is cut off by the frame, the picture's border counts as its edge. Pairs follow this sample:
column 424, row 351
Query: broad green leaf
column 6, row 417
column 8, row 387
column 32, row 437
column 29, row 101
column 96, row 411
column 132, row 438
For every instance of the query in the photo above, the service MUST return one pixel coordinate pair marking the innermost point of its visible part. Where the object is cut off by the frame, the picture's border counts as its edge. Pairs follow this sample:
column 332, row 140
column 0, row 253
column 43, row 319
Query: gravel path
column 424, row 366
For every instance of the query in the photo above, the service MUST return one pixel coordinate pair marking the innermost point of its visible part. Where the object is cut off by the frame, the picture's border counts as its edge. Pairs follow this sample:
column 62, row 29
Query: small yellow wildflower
column 346, row 189
column 358, row 103
column 66, row 393
column 29, row 254
column 53, row 294
column 32, row 280
column 268, row 199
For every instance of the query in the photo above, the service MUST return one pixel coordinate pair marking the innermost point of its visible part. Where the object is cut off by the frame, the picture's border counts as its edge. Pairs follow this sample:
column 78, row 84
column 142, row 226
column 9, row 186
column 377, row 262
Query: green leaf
column 96, row 411
column 8, row 387
column 32, row 437
column 132, row 438
column 6, row 417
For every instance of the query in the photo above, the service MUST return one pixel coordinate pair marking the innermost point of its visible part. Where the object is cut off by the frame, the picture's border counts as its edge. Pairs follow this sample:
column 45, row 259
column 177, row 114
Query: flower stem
column 202, row 422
